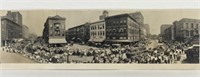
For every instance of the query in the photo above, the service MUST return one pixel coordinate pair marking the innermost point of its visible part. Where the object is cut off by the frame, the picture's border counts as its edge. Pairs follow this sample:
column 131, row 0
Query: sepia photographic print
column 124, row 36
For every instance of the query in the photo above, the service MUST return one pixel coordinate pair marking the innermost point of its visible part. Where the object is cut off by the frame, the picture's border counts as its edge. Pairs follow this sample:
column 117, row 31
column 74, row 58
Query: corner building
column 186, row 28
column 11, row 27
column 122, row 29
column 54, row 30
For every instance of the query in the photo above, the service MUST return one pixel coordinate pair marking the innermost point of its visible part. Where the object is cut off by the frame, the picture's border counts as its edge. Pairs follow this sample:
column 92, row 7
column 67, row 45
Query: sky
column 35, row 19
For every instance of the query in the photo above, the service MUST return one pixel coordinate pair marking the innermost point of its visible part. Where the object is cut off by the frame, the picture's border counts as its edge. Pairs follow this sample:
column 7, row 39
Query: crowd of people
column 42, row 53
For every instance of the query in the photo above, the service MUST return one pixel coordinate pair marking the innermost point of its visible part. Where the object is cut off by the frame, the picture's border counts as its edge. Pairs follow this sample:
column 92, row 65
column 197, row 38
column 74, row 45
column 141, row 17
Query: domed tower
column 105, row 14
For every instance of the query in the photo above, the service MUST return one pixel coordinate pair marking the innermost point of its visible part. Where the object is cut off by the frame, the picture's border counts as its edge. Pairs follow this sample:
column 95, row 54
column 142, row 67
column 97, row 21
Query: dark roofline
column 78, row 26
column 5, row 18
column 126, row 14
column 190, row 19
column 138, row 13
column 56, row 17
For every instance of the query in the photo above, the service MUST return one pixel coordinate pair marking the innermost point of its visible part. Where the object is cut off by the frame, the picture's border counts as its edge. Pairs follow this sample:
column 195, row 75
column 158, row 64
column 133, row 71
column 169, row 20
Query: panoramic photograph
column 102, row 36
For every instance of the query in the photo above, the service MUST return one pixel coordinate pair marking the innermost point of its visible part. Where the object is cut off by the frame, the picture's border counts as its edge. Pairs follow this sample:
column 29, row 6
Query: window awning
column 53, row 41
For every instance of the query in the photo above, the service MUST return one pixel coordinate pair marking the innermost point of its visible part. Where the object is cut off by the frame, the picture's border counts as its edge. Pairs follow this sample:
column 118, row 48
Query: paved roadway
column 154, row 43
column 7, row 57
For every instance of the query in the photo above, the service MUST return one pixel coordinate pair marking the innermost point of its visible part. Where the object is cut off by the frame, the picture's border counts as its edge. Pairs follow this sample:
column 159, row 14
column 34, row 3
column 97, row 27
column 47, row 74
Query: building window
column 191, row 33
column 124, row 21
column 192, row 25
column 197, row 25
column 187, row 33
column 114, row 31
column 120, row 30
column 186, row 25
column 2, row 22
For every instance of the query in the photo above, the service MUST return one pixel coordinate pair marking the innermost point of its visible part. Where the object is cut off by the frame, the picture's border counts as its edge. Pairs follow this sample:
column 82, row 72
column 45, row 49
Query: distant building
column 163, row 28
column 138, row 17
column 105, row 14
column 11, row 27
column 25, row 31
column 54, row 30
column 122, row 28
column 168, row 33
column 79, row 34
column 15, row 16
column 32, row 37
column 147, row 28
column 186, row 28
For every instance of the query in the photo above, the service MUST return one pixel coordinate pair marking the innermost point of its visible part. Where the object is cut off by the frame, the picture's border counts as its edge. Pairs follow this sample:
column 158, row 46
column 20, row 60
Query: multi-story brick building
column 163, row 28
column 97, row 29
column 11, row 27
column 79, row 34
column 54, row 30
column 122, row 29
column 138, row 17
column 186, row 28
column 168, row 33
column 97, row 32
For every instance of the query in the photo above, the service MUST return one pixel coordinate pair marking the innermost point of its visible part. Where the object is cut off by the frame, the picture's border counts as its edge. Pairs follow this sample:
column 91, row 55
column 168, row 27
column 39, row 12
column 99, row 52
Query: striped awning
column 54, row 41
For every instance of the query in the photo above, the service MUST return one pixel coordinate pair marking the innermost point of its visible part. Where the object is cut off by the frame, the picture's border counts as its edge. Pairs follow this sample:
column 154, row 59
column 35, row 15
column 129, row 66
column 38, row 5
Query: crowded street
column 118, row 39
column 31, row 53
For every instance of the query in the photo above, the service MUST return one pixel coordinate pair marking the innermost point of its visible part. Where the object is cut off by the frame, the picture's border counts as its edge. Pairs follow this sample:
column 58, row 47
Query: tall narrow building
column 54, row 30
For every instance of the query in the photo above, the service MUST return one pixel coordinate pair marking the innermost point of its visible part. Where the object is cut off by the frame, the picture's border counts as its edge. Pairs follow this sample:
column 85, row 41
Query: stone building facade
column 11, row 27
column 54, row 30
column 186, row 28
column 121, row 29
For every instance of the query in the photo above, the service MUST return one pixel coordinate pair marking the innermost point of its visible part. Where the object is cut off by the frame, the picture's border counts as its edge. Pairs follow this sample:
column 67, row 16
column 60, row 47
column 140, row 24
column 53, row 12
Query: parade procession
column 116, row 38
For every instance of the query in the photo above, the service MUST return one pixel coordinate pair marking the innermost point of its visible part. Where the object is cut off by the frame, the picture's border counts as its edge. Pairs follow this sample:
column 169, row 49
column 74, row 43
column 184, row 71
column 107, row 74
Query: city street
column 7, row 57
column 154, row 43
